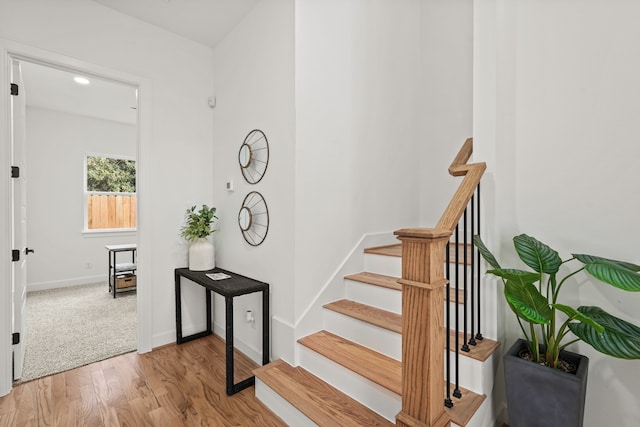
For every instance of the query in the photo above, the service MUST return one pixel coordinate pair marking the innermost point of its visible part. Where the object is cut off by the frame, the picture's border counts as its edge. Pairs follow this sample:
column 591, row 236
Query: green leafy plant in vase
column 533, row 297
column 536, row 394
column 198, row 227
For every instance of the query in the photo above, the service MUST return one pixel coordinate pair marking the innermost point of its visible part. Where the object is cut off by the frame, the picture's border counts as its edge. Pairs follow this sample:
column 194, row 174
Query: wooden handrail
column 423, row 286
column 472, row 174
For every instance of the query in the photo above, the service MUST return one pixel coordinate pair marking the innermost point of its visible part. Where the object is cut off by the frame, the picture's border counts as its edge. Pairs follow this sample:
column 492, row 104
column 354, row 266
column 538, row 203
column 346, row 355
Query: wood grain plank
column 373, row 315
column 174, row 386
column 319, row 401
column 391, row 282
column 375, row 279
column 374, row 366
column 396, row 251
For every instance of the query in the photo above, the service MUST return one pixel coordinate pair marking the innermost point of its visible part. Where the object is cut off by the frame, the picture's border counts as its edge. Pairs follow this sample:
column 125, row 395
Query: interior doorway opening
column 69, row 114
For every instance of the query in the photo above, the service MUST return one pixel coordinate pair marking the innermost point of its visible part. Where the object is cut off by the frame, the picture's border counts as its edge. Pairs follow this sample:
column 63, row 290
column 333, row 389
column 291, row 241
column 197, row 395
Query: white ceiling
column 55, row 89
column 203, row 21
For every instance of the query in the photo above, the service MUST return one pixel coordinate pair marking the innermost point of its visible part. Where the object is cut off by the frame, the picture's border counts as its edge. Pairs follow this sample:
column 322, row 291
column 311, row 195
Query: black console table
column 229, row 288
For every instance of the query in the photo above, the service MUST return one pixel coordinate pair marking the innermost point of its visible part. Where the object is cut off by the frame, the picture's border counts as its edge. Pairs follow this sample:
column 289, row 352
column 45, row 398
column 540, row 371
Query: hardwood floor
column 172, row 386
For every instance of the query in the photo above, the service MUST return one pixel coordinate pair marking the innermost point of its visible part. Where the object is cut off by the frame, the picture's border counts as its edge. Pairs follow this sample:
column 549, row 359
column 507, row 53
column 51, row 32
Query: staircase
column 369, row 366
column 358, row 354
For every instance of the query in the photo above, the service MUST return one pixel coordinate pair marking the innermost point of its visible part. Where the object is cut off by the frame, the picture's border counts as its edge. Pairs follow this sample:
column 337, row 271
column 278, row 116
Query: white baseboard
column 168, row 337
column 31, row 287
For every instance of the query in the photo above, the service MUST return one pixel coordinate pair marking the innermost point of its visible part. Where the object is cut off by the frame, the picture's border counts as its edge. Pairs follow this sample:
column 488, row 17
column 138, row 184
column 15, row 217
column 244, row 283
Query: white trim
column 11, row 49
column 5, row 229
column 114, row 232
column 55, row 284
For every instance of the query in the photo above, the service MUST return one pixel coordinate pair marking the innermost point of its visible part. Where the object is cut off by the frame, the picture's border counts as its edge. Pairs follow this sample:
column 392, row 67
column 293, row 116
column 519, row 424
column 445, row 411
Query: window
column 110, row 193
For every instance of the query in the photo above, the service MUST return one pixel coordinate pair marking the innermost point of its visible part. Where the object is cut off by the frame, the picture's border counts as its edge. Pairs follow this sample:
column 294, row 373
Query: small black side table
column 232, row 287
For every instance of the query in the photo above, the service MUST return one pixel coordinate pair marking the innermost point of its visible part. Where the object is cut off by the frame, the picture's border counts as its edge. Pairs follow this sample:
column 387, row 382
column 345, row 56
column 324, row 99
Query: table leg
column 209, row 330
column 229, row 343
column 114, row 273
column 265, row 327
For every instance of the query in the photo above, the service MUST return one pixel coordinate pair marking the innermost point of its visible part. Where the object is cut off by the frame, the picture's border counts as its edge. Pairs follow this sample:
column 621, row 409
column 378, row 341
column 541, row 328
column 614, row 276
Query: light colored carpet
column 77, row 325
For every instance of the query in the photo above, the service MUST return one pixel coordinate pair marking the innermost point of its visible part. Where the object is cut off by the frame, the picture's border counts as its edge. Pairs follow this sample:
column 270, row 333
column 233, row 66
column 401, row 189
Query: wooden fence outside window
column 111, row 211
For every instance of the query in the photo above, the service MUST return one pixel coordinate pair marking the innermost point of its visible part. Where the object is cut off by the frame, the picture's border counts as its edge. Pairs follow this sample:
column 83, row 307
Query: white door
column 19, row 212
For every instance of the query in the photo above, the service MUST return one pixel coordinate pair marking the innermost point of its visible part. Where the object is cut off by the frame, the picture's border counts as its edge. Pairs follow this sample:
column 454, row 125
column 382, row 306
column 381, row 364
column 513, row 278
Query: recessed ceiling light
column 81, row 80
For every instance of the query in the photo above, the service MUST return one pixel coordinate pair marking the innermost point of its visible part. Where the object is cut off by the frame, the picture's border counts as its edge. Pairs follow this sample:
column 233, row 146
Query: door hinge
column 15, row 171
column 15, row 338
column 14, row 89
column 15, row 255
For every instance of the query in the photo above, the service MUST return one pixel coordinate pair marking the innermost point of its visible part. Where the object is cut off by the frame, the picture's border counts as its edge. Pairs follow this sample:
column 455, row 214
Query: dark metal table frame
column 229, row 288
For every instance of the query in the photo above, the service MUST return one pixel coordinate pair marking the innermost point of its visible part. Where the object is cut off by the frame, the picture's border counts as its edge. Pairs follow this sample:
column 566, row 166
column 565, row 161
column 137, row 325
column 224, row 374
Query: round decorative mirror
column 245, row 156
column 244, row 219
column 253, row 156
column 253, row 218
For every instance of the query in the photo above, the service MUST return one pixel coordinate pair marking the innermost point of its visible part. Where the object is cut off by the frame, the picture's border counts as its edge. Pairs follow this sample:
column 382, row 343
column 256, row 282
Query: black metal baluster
column 472, row 340
column 456, row 392
column 447, row 401
column 465, row 274
column 479, row 334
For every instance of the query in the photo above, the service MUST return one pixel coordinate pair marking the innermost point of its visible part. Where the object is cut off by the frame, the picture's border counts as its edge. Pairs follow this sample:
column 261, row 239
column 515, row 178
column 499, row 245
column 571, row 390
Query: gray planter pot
column 539, row 396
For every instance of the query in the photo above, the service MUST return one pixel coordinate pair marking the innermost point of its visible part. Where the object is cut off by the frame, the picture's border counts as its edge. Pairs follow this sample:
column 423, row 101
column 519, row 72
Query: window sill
column 111, row 232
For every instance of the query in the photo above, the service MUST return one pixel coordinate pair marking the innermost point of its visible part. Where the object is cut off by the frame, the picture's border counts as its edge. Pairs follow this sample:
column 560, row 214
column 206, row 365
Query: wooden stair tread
column 395, row 250
column 373, row 315
column 481, row 351
column 319, row 401
column 387, row 250
column 380, row 369
column 391, row 282
column 393, row 322
column 376, row 279
column 465, row 407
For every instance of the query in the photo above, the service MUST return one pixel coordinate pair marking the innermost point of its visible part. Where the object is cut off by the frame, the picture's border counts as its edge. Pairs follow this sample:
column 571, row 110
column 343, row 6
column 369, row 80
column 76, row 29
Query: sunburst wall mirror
column 253, row 218
column 253, row 156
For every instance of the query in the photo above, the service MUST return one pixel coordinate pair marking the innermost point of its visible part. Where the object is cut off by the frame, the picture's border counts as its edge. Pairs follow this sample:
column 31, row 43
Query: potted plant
column 197, row 228
column 536, row 394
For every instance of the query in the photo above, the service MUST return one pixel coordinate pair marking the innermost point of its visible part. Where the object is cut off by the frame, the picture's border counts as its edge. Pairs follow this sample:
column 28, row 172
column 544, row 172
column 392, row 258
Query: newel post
column 423, row 340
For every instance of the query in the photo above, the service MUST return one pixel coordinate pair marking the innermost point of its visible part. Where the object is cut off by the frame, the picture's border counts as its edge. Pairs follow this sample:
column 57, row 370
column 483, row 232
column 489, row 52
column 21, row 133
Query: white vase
column 201, row 255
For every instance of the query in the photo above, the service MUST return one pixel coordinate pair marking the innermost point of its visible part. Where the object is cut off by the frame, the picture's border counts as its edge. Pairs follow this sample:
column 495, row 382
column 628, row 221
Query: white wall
column 56, row 149
column 253, row 73
column 176, row 166
column 564, row 117
column 445, row 113
column 357, row 159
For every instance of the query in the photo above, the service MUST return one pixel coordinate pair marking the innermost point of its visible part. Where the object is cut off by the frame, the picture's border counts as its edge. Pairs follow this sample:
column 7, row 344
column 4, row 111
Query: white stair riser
column 474, row 375
column 370, row 394
column 383, row 264
column 280, row 406
column 379, row 339
column 375, row 296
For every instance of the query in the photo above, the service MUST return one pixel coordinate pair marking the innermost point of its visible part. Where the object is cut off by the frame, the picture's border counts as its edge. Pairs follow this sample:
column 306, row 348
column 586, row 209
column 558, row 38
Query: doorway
column 144, row 295
column 69, row 116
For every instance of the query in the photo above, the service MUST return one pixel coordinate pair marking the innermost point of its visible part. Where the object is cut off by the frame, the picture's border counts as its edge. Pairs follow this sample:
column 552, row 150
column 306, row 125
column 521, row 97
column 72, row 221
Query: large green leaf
column 590, row 259
column 537, row 255
column 615, row 275
column 527, row 303
column 486, row 254
column 620, row 339
column 517, row 275
column 576, row 315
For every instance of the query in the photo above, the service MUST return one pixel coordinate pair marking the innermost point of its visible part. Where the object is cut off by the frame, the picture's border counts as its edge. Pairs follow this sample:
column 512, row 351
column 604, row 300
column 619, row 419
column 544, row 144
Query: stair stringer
column 311, row 319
